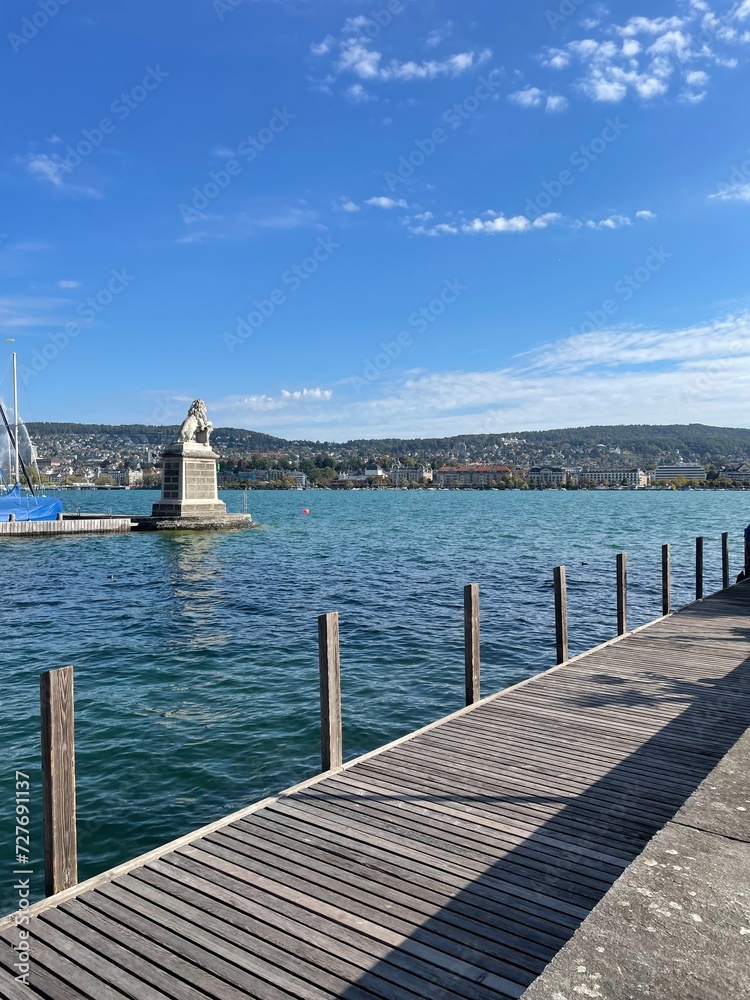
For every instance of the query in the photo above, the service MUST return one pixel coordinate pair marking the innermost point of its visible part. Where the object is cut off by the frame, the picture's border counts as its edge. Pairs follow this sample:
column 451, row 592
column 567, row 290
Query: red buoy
column 305, row 510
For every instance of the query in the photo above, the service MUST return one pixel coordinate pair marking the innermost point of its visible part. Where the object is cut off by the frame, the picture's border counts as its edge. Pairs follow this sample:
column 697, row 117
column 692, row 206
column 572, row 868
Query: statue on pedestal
column 196, row 426
column 189, row 471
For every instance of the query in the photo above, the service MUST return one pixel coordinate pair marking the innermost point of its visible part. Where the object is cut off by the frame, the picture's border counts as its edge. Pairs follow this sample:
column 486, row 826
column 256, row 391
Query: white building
column 550, row 475
column 373, row 471
column 680, row 470
column 636, row 478
column 410, row 474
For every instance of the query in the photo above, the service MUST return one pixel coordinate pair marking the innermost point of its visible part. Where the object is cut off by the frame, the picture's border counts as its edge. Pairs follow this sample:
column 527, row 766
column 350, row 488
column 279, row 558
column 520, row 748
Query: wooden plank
column 622, row 593
column 330, row 691
column 561, row 613
column 58, row 780
column 471, row 643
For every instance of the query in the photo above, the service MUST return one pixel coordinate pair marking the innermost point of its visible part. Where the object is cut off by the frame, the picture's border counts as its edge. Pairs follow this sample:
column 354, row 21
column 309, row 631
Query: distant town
column 629, row 457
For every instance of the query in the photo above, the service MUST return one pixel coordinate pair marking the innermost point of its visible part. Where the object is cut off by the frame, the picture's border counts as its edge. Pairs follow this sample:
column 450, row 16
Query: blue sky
column 403, row 218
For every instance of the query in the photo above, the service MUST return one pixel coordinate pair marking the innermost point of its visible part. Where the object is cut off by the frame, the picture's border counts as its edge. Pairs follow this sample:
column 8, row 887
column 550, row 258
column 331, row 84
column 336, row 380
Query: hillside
column 618, row 445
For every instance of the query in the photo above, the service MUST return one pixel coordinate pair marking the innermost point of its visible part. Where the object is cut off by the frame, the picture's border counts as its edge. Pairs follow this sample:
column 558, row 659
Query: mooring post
column 699, row 569
column 471, row 642
column 666, row 581
column 58, row 780
column 561, row 613
column 330, row 691
column 622, row 593
column 725, row 559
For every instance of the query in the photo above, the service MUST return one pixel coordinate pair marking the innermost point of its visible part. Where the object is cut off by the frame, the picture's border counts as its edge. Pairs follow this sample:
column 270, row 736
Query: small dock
column 454, row 863
column 70, row 524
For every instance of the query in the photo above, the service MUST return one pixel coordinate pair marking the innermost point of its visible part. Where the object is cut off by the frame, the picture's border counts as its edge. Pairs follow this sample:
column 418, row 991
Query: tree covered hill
column 616, row 445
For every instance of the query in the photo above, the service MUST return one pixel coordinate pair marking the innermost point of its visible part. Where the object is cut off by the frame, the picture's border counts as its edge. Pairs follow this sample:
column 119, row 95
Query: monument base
column 218, row 522
column 188, row 487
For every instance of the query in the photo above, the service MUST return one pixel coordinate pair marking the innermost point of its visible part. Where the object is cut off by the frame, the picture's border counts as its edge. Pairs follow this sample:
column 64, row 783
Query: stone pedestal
column 189, row 483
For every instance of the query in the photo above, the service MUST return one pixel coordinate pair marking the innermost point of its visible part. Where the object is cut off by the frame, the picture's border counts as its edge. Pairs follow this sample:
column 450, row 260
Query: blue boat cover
column 28, row 508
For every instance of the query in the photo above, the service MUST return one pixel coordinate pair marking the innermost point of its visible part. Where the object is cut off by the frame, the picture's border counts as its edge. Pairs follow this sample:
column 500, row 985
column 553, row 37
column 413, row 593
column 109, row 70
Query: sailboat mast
column 15, row 412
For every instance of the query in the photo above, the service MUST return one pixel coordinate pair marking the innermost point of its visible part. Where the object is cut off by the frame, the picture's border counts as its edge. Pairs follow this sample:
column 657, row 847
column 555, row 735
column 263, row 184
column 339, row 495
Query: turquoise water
column 196, row 654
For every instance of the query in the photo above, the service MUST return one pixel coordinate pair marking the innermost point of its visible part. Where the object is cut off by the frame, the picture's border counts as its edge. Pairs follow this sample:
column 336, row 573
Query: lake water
column 196, row 654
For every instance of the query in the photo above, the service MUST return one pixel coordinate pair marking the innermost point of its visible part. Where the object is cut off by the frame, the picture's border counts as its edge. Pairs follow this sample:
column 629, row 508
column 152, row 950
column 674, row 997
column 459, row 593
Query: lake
column 196, row 654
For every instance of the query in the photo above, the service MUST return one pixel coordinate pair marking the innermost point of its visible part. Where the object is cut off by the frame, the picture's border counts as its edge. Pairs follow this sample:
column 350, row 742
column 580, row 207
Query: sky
column 377, row 218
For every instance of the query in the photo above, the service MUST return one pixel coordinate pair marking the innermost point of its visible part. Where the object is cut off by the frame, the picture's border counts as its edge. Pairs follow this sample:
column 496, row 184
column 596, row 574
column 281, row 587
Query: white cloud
column 531, row 97
column 69, row 284
column 358, row 94
column 353, row 53
column 492, row 223
column 49, row 170
column 608, row 376
column 497, row 223
column 612, row 222
column 380, row 201
column 284, row 406
column 347, row 205
column 647, row 56
column 29, row 311
column 197, row 237
column 555, row 103
column 46, row 169
column 739, row 191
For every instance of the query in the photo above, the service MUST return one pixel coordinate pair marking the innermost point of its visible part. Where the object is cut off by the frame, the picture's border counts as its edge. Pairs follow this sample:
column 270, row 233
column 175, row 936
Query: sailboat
column 16, row 504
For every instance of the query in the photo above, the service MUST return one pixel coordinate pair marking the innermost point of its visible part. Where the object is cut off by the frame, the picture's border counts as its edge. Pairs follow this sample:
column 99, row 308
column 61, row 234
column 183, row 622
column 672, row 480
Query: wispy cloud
column 354, row 53
column 609, row 376
column 381, row 201
column 739, row 191
column 49, row 170
column 491, row 223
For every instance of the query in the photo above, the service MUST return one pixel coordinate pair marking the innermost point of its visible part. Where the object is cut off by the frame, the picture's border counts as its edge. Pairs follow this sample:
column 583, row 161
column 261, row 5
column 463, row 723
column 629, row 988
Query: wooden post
column 58, row 780
column 699, row 569
column 471, row 642
column 561, row 613
column 666, row 581
column 622, row 593
column 725, row 559
column 330, row 691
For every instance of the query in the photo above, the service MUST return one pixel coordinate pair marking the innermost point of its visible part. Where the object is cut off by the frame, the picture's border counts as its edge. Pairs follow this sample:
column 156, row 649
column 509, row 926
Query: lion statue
column 196, row 426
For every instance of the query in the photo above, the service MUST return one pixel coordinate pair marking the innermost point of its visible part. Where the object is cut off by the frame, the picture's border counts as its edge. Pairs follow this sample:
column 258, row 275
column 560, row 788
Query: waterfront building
column 738, row 471
column 374, row 472
column 636, row 478
column 274, row 475
column 680, row 470
column 410, row 474
column 550, row 475
column 471, row 475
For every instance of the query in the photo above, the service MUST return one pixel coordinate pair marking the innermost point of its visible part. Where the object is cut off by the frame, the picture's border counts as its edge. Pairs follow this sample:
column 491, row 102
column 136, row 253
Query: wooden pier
column 454, row 863
column 70, row 525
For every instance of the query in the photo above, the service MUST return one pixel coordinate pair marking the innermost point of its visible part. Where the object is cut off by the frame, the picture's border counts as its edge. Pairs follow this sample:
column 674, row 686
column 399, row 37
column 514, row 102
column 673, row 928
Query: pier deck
column 455, row 863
